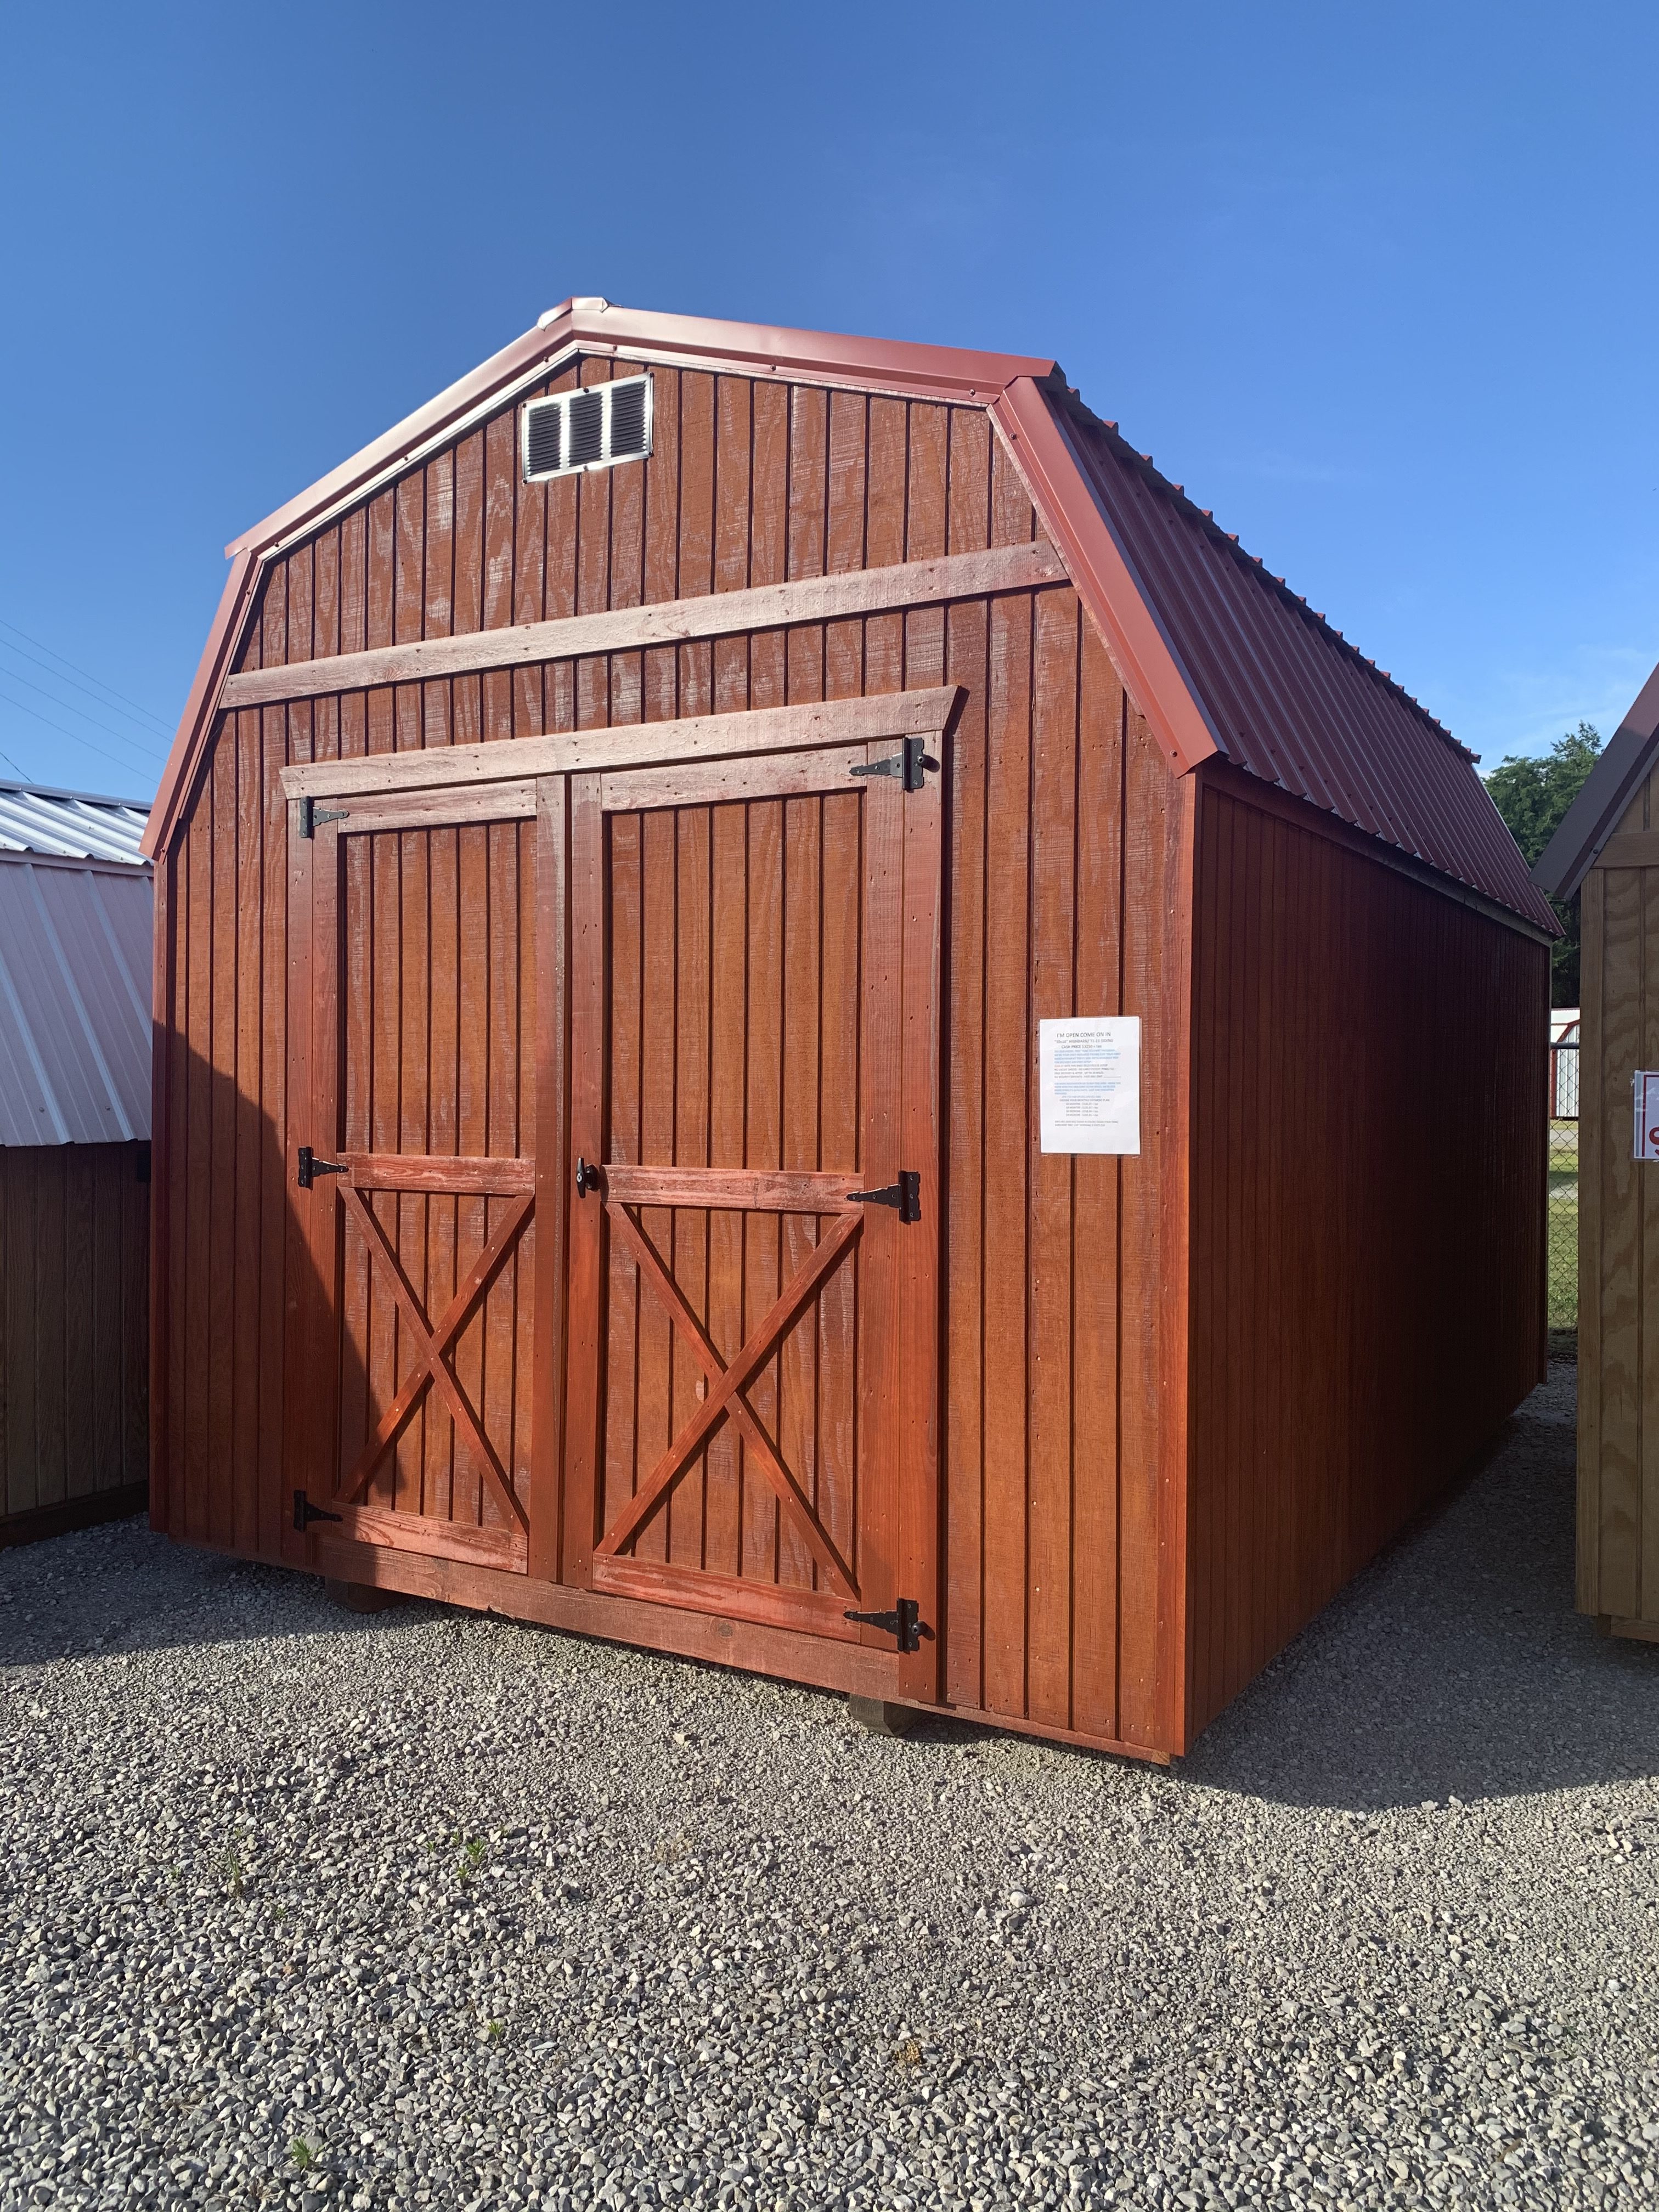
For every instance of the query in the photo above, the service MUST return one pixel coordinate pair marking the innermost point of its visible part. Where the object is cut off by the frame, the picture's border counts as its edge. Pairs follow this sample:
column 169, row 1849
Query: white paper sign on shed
column 1089, row 1084
column 1645, row 1083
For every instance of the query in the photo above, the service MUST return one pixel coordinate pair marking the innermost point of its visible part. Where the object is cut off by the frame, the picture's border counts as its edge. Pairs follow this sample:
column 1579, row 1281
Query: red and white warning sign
column 1646, row 1083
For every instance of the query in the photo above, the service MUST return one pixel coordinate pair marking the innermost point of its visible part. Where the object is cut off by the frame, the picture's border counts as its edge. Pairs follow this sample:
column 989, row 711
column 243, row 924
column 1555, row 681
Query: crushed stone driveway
column 306, row 1909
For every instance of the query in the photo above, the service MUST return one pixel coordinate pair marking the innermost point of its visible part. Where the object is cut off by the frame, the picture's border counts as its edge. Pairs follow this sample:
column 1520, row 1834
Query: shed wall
column 1618, row 1234
column 73, row 1328
column 1067, row 842
column 1368, row 1258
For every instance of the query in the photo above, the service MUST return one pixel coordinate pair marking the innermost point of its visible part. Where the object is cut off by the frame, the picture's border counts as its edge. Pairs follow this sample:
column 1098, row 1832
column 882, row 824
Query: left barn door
column 419, row 1054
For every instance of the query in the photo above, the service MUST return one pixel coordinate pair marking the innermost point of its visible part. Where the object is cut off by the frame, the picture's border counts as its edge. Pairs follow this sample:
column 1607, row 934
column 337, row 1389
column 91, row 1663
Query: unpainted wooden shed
column 604, row 839
column 1606, row 853
column 75, row 1068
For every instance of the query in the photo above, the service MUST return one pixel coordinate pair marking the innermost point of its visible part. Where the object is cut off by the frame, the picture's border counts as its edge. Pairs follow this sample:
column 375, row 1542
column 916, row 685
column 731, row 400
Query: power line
column 119, row 736
column 23, row 707
column 96, row 681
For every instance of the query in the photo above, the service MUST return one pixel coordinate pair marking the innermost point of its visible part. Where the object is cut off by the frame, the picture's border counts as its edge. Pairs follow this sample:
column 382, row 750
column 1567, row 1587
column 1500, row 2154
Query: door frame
column 516, row 778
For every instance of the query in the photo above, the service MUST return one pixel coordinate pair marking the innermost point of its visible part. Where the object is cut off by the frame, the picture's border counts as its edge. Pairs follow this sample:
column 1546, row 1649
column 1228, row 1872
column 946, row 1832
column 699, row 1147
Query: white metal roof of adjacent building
column 71, row 825
column 77, row 920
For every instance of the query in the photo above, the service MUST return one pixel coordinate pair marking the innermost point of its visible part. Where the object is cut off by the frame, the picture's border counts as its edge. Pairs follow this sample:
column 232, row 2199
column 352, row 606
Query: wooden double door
column 618, row 1193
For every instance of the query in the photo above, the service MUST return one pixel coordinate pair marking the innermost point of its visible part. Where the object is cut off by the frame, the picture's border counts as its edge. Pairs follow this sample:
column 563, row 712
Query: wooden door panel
column 741, row 1052
column 423, row 1109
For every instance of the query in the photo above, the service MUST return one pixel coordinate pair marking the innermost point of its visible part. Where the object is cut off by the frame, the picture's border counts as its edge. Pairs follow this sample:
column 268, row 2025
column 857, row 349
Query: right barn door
column 755, row 1236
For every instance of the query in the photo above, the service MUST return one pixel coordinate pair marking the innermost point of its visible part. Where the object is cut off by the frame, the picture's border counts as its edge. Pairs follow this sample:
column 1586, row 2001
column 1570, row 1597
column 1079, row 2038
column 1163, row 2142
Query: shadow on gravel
column 119, row 1589
column 1455, row 1666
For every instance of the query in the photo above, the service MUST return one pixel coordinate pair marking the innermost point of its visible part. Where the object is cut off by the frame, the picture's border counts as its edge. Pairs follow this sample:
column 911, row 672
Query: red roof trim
column 197, row 717
column 1100, row 570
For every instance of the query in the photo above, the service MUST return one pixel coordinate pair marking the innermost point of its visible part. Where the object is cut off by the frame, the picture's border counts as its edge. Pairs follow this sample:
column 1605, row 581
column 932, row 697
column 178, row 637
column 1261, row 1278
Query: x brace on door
column 725, row 1397
column 432, row 1345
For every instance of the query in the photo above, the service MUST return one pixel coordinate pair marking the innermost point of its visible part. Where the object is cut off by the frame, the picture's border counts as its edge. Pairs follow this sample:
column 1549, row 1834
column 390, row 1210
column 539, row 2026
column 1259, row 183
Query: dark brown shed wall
column 1367, row 1223
column 1068, row 838
column 74, row 1316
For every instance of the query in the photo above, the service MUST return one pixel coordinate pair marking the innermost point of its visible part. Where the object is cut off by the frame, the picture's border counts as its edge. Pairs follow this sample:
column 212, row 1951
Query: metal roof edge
column 1036, row 434
column 80, row 798
column 1588, row 824
column 98, row 863
column 1296, row 807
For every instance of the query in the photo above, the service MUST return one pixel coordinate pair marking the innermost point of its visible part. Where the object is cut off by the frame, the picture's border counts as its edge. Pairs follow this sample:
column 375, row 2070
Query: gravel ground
column 309, row 1909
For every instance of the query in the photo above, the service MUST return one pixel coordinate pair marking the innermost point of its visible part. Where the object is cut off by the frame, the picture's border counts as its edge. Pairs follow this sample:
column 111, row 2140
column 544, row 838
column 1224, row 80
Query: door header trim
column 703, row 736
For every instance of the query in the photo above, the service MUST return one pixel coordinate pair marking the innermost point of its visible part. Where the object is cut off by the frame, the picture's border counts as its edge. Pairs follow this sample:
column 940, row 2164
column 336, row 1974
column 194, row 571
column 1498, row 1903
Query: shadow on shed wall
column 74, row 1331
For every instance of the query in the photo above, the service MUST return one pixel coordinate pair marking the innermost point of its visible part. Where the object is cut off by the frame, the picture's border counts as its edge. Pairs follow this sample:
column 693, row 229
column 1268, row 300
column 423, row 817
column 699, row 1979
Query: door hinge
column 904, row 1623
column 304, row 1512
column 910, row 766
column 311, row 814
column 905, row 1194
column 311, row 1167
column 587, row 1178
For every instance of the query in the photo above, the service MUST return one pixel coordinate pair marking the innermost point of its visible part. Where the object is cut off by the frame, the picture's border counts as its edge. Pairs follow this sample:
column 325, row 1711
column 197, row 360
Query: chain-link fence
column 1562, row 1216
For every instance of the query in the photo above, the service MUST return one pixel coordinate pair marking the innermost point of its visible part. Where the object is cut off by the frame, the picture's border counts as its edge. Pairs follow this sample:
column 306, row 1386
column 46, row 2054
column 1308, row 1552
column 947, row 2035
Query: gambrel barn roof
column 1222, row 658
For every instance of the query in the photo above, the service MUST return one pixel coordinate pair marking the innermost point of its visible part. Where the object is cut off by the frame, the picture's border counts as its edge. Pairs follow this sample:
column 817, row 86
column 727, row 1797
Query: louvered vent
column 589, row 429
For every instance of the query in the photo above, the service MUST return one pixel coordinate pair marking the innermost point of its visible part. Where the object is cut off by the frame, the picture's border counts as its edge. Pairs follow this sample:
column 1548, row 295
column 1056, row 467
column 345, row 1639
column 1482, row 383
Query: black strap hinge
column 304, row 1512
column 904, row 1623
column 905, row 1194
column 311, row 814
column 311, row 1167
column 910, row 766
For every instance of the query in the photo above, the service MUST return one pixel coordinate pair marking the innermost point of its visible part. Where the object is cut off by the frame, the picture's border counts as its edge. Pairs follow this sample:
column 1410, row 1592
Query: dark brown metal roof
column 1603, row 797
column 1286, row 696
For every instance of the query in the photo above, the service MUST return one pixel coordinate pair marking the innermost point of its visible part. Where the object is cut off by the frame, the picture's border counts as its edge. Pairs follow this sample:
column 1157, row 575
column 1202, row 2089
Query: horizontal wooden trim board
column 1643, row 1632
column 1633, row 849
column 712, row 783
column 447, row 1539
column 745, row 1189
column 439, row 1172
column 672, row 621
column 716, row 1639
column 699, row 736
column 445, row 808
column 775, row 1605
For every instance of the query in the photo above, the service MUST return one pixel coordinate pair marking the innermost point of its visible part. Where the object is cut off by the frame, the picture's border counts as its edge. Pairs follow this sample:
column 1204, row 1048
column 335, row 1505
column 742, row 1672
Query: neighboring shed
column 74, row 1077
column 1606, row 853
column 600, row 1161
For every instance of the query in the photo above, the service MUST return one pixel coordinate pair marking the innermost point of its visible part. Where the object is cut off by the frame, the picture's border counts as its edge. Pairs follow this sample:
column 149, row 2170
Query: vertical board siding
column 1619, row 1243
column 74, row 1325
column 1367, row 1228
column 1064, row 836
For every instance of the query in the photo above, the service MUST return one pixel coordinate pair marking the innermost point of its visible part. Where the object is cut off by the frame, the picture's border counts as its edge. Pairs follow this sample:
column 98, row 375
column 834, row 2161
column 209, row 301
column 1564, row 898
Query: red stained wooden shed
column 615, row 861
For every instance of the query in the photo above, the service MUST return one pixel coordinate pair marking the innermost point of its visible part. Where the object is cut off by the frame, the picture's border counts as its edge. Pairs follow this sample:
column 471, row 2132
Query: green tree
column 1532, row 792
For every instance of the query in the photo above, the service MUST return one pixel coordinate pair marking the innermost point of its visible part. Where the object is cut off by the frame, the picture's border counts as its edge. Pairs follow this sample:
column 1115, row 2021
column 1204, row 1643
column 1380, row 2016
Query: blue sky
column 1375, row 282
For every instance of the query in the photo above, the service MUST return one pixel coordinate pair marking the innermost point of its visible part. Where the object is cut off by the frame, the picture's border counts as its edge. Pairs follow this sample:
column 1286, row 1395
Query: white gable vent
column 590, row 429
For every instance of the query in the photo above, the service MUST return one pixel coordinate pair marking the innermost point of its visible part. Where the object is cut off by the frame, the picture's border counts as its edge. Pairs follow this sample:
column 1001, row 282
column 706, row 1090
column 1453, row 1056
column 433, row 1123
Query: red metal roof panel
column 1287, row 697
